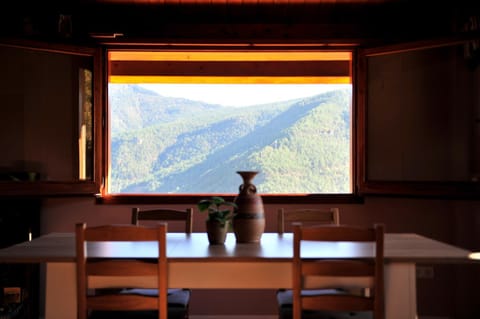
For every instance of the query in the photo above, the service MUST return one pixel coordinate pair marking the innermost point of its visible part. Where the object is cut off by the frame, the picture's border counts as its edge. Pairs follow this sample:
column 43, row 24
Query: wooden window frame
column 107, row 198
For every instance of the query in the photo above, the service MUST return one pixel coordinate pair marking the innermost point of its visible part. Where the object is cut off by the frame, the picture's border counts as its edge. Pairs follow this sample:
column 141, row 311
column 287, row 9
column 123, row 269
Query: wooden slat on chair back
column 164, row 215
column 120, row 267
column 370, row 268
column 316, row 215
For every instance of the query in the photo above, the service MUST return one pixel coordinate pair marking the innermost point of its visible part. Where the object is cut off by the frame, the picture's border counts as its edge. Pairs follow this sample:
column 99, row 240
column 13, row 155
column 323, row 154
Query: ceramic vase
column 249, row 219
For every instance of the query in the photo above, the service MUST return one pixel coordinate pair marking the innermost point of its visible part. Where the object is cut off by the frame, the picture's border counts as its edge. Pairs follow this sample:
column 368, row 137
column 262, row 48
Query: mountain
column 171, row 145
column 133, row 107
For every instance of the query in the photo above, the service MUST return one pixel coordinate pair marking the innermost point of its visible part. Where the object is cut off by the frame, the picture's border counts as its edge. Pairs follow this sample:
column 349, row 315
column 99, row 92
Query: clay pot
column 216, row 232
column 249, row 220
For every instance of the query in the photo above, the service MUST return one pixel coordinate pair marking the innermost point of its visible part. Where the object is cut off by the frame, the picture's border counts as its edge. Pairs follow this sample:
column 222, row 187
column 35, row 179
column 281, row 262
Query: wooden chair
column 166, row 215
column 311, row 216
column 367, row 272
column 144, row 216
column 108, row 300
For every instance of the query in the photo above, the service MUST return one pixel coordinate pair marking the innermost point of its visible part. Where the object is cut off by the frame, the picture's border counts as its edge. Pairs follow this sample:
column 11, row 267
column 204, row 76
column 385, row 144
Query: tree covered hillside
column 171, row 145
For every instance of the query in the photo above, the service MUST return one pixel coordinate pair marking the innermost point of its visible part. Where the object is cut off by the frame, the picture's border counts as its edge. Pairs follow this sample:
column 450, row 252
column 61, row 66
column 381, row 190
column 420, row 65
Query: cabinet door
column 419, row 106
column 49, row 118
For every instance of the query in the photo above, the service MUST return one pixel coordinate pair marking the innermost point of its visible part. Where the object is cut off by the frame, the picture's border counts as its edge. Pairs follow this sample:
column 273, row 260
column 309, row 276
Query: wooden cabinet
column 19, row 283
column 19, row 220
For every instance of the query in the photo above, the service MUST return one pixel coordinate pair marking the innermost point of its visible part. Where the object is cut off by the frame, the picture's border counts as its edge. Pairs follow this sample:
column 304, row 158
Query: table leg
column 400, row 291
column 60, row 291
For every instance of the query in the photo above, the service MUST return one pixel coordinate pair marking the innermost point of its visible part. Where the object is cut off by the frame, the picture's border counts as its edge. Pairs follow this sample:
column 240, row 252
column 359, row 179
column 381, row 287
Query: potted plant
column 220, row 214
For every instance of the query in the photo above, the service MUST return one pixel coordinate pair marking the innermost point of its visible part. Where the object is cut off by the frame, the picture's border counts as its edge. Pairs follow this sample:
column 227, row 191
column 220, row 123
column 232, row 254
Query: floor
column 233, row 317
column 274, row 317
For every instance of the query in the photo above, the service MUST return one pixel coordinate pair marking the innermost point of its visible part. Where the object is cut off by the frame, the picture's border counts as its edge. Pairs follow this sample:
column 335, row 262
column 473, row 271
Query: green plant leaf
column 204, row 204
column 215, row 212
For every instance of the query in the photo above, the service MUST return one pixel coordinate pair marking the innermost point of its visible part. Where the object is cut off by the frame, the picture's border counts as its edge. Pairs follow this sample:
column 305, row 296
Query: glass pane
column 192, row 138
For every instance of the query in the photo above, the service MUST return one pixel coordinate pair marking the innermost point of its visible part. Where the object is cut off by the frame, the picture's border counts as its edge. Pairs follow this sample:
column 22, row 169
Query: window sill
column 116, row 199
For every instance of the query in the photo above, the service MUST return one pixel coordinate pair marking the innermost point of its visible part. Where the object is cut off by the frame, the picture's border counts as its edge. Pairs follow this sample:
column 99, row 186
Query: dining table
column 267, row 264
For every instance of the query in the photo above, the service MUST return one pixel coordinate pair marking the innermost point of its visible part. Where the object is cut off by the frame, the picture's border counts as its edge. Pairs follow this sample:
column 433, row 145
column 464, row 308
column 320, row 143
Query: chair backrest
column 164, row 215
column 312, row 273
column 111, row 299
column 307, row 216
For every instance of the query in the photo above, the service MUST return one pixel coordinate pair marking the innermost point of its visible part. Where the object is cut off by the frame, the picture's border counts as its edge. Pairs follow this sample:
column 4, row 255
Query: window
column 41, row 84
column 183, row 122
column 418, row 130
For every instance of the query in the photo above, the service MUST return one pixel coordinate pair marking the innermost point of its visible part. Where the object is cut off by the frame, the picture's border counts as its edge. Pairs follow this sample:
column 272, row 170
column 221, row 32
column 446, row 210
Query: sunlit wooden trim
column 230, row 79
column 228, row 56
column 231, row 69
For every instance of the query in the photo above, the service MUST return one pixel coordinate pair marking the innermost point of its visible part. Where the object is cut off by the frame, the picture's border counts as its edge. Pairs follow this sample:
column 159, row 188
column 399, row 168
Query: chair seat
column 177, row 299
column 285, row 304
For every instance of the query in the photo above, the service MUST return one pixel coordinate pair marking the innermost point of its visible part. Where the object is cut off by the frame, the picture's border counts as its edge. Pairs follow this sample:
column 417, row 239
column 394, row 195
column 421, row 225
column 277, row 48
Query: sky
column 238, row 95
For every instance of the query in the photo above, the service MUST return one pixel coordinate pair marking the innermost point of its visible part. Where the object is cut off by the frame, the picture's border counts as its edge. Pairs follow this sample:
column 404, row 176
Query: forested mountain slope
column 174, row 145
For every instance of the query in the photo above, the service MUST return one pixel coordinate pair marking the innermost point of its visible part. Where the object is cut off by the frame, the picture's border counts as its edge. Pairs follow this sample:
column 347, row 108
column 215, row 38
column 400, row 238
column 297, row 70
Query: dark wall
column 451, row 293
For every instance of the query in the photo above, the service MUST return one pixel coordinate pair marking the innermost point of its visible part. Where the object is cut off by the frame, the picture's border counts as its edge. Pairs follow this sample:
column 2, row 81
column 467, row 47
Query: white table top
column 405, row 247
